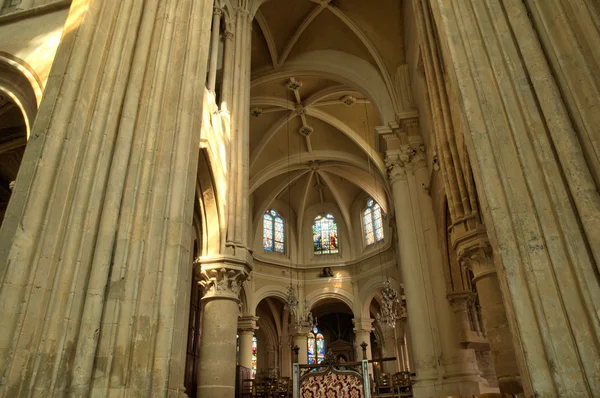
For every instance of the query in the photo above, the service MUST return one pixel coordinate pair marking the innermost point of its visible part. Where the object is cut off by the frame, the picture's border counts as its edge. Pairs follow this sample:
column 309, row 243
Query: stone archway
column 18, row 108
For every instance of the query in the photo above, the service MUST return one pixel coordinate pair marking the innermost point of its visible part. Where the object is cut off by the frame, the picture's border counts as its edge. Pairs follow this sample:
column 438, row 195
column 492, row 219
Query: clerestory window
column 372, row 222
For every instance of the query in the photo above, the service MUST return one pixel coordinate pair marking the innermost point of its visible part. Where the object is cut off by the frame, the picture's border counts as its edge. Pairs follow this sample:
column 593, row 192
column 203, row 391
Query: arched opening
column 334, row 322
column 18, row 107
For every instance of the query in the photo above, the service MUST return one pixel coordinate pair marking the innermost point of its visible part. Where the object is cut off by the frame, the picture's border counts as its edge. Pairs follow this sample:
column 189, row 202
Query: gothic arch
column 342, row 295
column 19, row 82
column 370, row 288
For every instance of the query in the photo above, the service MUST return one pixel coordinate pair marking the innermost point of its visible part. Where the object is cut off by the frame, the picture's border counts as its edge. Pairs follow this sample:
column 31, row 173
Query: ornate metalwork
column 306, row 320
column 391, row 306
column 291, row 301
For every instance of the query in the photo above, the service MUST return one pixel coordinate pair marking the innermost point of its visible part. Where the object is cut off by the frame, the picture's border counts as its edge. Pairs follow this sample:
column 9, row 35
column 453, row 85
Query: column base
column 466, row 387
column 216, row 391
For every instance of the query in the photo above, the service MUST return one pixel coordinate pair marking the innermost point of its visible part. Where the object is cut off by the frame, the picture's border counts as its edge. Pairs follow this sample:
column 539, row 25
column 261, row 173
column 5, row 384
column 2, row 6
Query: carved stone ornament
column 460, row 301
column 407, row 159
column 348, row 100
column 293, row 84
column 256, row 112
column 222, row 282
column 306, row 131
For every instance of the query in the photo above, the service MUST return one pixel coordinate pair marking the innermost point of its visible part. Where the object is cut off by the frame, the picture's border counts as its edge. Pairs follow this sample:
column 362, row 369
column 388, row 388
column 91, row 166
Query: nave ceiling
column 325, row 76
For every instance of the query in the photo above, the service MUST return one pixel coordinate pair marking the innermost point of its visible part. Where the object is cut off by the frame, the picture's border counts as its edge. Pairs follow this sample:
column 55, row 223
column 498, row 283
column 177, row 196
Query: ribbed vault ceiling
column 321, row 85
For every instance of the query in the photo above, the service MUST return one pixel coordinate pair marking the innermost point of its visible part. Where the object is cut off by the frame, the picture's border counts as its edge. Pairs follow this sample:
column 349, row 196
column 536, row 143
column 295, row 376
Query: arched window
column 273, row 233
column 373, row 223
column 325, row 235
column 254, row 347
column 316, row 347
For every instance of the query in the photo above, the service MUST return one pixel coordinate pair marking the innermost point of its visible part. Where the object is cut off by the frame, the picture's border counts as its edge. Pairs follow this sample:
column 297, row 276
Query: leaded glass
column 372, row 223
column 273, row 232
column 320, row 348
column 316, row 347
column 325, row 237
column 254, row 356
column 311, row 349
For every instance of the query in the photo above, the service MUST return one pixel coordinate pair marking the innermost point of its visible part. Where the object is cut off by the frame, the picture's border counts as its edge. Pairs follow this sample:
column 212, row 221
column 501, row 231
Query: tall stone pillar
column 96, row 243
column 539, row 201
column 362, row 333
column 301, row 341
column 246, row 328
column 222, row 283
column 406, row 162
column 415, row 274
column 224, row 272
column 476, row 254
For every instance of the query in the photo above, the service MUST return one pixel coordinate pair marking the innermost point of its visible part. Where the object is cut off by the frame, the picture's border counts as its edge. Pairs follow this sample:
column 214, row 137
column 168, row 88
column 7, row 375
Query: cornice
column 335, row 262
column 316, row 281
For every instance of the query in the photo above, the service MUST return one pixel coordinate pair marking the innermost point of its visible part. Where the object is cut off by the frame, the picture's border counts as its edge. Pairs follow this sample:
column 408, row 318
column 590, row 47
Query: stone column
column 415, row 274
column 406, row 160
column 301, row 340
column 222, row 282
column 246, row 328
column 539, row 201
column 362, row 333
column 476, row 253
column 96, row 242
column 214, row 49
column 228, row 58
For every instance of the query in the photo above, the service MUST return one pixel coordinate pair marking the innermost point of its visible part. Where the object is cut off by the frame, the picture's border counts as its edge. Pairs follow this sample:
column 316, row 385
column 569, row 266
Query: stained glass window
column 325, row 235
column 254, row 347
column 316, row 347
column 373, row 223
column 273, row 232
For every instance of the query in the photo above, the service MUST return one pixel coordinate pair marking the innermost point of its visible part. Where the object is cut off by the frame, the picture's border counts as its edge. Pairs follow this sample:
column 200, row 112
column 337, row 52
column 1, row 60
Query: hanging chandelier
column 391, row 307
column 306, row 320
column 291, row 301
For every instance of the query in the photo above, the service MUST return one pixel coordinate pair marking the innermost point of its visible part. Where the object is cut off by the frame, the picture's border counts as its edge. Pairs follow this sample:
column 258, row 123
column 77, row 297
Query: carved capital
column 475, row 252
column 460, row 301
column 363, row 325
column 221, row 278
column 247, row 324
column 228, row 35
column 408, row 158
column 217, row 11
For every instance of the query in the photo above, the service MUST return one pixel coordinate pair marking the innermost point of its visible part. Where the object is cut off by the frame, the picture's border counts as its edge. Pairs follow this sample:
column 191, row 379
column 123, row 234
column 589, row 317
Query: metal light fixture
column 291, row 301
column 391, row 306
column 306, row 320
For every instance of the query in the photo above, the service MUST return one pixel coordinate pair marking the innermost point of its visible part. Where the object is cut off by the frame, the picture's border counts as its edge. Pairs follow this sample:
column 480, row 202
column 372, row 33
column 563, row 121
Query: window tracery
column 273, row 232
column 373, row 223
column 325, row 235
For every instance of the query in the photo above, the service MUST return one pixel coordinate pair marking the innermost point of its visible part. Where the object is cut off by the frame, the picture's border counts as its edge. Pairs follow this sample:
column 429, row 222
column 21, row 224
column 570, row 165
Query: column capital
column 247, row 324
column 217, row 11
column 363, row 325
column 461, row 300
column 221, row 277
column 474, row 251
column 228, row 35
column 407, row 158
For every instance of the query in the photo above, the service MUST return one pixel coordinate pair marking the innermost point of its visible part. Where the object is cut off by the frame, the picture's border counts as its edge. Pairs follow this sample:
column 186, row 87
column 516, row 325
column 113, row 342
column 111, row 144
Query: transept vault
column 198, row 192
